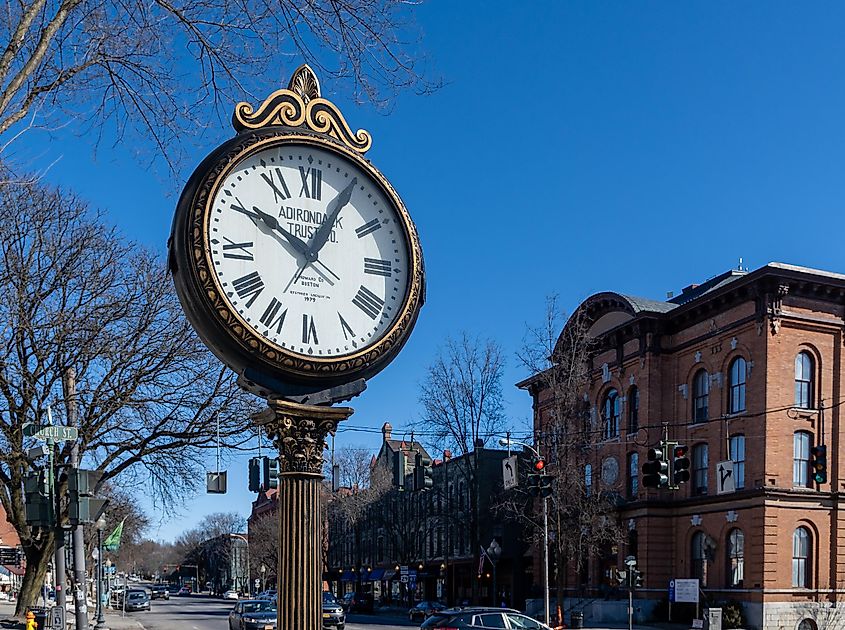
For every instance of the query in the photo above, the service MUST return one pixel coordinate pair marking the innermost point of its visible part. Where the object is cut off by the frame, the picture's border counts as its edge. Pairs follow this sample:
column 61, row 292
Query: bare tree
column 582, row 518
column 158, row 68
column 264, row 546
column 146, row 395
column 462, row 407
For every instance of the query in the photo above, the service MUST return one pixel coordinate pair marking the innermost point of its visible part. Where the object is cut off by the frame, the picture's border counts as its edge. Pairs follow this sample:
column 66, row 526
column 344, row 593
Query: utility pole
column 56, row 517
column 80, row 600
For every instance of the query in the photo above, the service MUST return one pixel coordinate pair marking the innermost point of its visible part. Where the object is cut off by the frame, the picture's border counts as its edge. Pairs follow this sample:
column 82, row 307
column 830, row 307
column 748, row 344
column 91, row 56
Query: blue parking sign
column 671, row 590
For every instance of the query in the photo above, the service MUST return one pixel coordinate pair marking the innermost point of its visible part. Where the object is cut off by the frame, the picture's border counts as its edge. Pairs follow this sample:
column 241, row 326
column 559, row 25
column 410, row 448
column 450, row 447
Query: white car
column 230, row 595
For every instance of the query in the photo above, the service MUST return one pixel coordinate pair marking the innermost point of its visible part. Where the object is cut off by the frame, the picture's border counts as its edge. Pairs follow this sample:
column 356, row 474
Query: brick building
column 744, row 368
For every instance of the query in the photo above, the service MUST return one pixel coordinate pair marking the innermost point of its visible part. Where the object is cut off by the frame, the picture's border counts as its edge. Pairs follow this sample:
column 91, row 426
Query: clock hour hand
column 271, row 222
column 336, row 205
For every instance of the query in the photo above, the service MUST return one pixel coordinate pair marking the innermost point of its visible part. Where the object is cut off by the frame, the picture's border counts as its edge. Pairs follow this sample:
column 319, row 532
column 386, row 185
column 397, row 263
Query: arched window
column 801, row 547
column 699, row 558
column 610, row 414
column 736, row 403
column 801, row 444
column 588, row 479
column 633, row 475
column 633, row 409
column 700, row 396
column 736, row 558
column 804, row 380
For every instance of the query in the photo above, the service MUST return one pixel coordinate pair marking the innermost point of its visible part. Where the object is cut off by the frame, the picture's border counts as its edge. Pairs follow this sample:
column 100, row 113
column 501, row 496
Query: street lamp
column 100, row 525
column 263, row 571
column 248, row 588
column 507, row 442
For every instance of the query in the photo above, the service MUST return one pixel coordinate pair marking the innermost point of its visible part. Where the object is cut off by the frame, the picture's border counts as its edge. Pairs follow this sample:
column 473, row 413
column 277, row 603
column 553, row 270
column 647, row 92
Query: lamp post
column 100, row 525
column 248, row 588
column 263, row 571
column 507, row 442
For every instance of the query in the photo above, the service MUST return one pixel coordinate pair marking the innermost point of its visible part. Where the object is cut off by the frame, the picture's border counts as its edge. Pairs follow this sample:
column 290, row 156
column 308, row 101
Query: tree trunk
column 37, row 559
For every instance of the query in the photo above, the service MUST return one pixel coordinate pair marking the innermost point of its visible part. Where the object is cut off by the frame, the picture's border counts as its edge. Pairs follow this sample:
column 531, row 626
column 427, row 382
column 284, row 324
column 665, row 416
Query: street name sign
column 725, row 478
column 509, row 472
column 55, row 432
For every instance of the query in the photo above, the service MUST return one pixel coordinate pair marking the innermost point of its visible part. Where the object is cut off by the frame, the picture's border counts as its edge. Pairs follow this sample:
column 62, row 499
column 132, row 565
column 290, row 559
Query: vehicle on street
column 185, row 590
column 480, row 617
column 137, row 599
column 333, row 615
column 252, row 614
column 159, row 591
column 230, row 595
column 424, row 610
column 268, row 594
column 357, row 602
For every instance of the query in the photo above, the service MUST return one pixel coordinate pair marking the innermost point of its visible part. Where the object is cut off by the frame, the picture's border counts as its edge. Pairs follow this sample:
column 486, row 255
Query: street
column 204, row 613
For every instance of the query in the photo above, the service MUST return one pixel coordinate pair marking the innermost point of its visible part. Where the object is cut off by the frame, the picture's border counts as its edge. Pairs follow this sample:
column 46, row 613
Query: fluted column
column 299, row 432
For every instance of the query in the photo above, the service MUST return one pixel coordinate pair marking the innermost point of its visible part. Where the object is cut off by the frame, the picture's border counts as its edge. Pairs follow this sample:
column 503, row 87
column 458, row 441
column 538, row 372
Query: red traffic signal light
column 681, row 451
column 539, row 464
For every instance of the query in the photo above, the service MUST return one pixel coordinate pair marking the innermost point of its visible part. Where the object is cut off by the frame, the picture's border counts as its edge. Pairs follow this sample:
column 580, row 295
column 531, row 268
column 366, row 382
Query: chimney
column 386, row 430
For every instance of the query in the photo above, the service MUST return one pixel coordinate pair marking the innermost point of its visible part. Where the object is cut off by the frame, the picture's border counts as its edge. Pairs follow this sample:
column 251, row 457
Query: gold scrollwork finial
column 300, row 105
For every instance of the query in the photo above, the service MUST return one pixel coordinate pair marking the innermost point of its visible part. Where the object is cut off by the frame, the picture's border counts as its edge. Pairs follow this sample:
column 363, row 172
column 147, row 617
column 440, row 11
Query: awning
column 347, row 576
column 389, row 574
column 14, row 570
column 376, row 575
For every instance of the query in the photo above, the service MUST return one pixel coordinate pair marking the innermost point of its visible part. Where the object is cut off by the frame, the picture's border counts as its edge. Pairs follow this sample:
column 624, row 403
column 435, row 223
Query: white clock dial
column 308, row 250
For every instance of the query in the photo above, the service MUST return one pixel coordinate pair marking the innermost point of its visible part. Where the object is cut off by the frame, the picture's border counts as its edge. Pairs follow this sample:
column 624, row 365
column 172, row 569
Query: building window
column 737, row 448
column 699, row 558
column 633, row 409
column 633, row 475
column 737, row 391
column 804, row 380
column 801, row 443
column 700, row 396
column 610, row 414
column 736, row 558
column 588, row 479
column 461, row 496
column 699, row 469
column 801, row 558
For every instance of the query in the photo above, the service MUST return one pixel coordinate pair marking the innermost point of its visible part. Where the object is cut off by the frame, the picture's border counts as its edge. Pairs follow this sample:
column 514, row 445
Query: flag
column 112, row 543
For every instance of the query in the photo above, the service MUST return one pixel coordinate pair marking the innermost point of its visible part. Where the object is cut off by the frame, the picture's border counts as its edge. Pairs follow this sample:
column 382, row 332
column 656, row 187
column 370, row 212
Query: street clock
column 293, row 257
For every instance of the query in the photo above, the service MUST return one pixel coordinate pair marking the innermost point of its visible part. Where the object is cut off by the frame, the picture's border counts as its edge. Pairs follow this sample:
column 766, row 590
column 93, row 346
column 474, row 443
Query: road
column 203, row 613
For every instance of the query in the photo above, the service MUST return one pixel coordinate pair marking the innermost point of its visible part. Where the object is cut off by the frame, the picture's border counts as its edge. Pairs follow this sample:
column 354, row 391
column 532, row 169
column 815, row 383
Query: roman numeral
column 376, row 267
column 368, row 302
column 269, row 318
column 249, row 286
column 231, row 249
column 347, row 331
column 308, row 329
column 280, row 191
column 312, row 182
column 368, row 228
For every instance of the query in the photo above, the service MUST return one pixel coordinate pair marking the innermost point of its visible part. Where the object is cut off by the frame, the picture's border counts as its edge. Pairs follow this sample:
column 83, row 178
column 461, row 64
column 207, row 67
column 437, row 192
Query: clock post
column 300, row 268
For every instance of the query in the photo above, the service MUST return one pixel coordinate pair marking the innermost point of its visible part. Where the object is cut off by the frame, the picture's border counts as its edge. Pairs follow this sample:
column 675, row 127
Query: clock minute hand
column 337, row 204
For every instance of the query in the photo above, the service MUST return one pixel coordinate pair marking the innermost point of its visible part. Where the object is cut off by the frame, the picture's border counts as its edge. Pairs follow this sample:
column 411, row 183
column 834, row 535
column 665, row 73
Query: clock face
column 308, row 250
column 610, row 471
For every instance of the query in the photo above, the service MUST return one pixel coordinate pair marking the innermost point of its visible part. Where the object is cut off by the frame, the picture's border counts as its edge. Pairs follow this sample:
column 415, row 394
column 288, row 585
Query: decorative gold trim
column 238, row 329
column 300, row 105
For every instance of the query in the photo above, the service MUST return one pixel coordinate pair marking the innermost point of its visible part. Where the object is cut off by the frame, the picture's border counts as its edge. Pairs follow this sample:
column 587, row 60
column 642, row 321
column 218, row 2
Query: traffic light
column 680, row 464
column 637, row 579
column 83, row 506
column 37, row 499
column 818, row 463
column 423, row 473
column 255, row 474
column 545, row 485
column 271, row 473
column 400, row 465
column 621, row 577
column 656, row 469
column 535, row 477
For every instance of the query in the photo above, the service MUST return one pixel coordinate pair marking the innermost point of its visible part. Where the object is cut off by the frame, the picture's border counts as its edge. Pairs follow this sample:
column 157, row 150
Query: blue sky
column 576, row 147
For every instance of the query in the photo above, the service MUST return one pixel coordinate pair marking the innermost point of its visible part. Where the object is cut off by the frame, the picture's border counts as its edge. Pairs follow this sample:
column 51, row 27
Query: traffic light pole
column 78, row 538
column 299, row 433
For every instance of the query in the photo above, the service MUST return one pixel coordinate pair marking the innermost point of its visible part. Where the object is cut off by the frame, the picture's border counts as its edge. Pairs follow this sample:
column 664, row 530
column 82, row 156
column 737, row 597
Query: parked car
column 230, row 595
column 357, row 602
column 137, row 599
column 424, row 610
column 185, row 590
column 478, row 617
column 159, row 591
column 333, row 615
column 252, row 614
